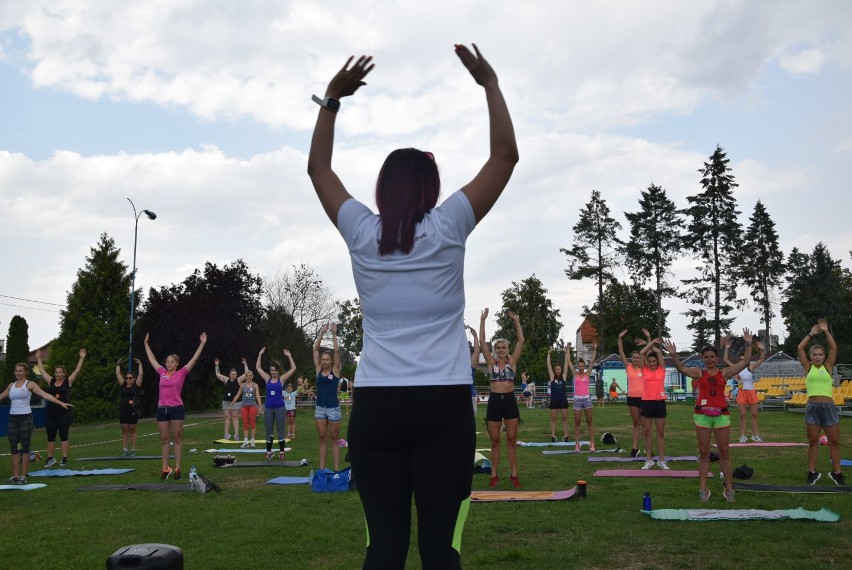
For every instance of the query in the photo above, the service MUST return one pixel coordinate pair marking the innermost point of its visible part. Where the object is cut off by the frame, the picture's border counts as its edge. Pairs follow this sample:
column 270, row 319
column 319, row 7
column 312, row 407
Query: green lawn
column 251, row 524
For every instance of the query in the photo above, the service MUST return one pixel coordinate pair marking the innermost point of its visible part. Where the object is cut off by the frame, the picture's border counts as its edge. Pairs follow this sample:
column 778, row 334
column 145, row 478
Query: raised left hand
column 349, row 79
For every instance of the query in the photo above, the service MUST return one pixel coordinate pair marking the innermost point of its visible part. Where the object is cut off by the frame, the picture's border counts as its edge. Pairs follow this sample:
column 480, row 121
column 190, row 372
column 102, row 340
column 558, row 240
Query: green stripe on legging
column 366, row 527
column 462, row 517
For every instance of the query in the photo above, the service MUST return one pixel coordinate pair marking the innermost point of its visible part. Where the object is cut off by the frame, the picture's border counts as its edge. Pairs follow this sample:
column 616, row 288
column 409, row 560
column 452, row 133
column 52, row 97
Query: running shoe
column 252, row 444
column 268, row 455
column 730, row 496
column 132, row 453
column 177, row 473
column 494, row 481
column 244, row 444
column 22, row 480
column 577, row 448
column 515, row 482
column 64, row 462
column 13, row 480
column 565, row 438
column 663, row 465
column 634, row 452
column 165, row 473
column 704, row 495
column 648, row 465
column 50, row 462
column 837, row 478
column 592, row 446
column 227, row 436
column 124, row 452
column 756, row 438
column 813, row 477
column 281, row 456
column 553, row 439
column 743, row 438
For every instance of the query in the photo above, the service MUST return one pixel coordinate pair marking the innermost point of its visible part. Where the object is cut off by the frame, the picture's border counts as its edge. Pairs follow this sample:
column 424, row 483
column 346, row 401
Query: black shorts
column 634, row 401
column 502, row 407
column 559, row 404
column 653, row 409
column 128, row 416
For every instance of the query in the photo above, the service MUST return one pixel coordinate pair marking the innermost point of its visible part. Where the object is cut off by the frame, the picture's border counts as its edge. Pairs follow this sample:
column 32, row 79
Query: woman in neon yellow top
column 821, row 413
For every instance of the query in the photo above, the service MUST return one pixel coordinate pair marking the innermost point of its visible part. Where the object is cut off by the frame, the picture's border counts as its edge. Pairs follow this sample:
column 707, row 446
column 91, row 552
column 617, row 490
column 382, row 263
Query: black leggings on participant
column 60, row 422
column 416, row 440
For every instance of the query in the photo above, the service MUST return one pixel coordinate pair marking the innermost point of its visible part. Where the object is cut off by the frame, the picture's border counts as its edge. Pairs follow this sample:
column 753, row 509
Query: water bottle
column 193, row 476
column 646, row 502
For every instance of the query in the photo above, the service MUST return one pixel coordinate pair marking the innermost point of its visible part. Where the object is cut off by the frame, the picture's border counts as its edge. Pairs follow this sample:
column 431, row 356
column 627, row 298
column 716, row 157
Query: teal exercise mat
column 822, row 515
column 74, row 472
column 27, row 487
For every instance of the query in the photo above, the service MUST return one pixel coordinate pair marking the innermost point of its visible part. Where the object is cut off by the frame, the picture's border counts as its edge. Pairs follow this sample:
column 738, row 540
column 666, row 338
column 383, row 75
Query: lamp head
column 151, row 215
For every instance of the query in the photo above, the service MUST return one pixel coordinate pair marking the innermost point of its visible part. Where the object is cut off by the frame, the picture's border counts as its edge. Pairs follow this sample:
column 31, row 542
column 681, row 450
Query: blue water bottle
column 646, row 502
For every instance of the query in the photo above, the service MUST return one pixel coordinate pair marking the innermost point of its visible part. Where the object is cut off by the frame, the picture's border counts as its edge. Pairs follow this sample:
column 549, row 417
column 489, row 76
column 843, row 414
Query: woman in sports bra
column 502, row 403
column 128, row 409
column 582, row 398
column 820, row 412
column 747, row 395
column 711, row 415
column 635, row 384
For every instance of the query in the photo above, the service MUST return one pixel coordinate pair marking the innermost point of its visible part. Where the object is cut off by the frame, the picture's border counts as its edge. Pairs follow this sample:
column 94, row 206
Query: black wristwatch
column 329, row 103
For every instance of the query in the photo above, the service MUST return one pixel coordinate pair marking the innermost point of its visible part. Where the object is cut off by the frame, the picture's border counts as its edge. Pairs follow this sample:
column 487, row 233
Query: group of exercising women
column 240, row 393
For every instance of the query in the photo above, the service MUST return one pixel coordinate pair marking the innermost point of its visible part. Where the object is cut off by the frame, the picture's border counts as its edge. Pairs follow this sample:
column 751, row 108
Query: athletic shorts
column 710, row 422
column 128, row 416
column 502, row 407
column 613, row 395
column 822, row 414
column 170, row 413
column 559, row 404
column 747, row 397
column 327, row 413
column 228, row 405
column 582, row 403
column 653, row 409
column 634, row 401
column 527, row 394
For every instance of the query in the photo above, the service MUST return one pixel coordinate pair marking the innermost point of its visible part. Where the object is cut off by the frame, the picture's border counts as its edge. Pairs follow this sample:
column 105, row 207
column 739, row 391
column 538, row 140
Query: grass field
column 251, row 524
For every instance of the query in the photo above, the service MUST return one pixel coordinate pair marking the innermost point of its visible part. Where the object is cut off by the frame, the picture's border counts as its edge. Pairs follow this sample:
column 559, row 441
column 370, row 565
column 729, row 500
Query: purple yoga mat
column 646, row 473
column 625, row 459
column 766, row 444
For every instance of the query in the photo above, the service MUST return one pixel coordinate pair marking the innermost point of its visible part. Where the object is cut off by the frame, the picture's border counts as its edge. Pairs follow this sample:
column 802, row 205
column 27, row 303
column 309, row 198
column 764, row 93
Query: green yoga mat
column 822, row 515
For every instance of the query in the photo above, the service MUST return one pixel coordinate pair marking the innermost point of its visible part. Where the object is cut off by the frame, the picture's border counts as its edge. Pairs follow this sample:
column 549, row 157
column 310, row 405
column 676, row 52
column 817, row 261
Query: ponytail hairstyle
column 406, row 190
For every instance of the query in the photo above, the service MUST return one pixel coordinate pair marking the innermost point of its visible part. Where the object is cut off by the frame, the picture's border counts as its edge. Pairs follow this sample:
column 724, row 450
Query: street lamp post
column 151, row 216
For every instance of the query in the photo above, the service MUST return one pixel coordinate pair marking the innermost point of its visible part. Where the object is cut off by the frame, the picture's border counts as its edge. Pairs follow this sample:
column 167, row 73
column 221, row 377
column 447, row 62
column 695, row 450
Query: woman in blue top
column 411, row 289
column 274, row 404
column 327, row 413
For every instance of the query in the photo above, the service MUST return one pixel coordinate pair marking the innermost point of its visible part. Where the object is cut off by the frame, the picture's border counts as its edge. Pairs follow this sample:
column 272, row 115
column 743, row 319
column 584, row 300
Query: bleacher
column 789, row 393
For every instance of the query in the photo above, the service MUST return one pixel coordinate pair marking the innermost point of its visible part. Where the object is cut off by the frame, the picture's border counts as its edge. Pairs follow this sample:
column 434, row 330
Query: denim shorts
column 582, row 403
column 821, row 414
column 327, row 413
column 170, row 413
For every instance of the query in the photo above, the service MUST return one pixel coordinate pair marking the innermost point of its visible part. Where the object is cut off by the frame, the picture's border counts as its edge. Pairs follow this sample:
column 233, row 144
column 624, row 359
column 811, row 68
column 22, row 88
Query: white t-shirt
column 412, row 304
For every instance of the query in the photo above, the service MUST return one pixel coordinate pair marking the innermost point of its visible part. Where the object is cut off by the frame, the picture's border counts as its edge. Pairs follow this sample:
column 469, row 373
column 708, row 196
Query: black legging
column 57, row 421
column 415, row 440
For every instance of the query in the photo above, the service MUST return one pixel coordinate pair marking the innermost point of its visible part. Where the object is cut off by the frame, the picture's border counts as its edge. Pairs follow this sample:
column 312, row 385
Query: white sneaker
column 227, row 436
column 244, row 444
column 50, row 462
column 648, row 465
column 756, row 438
column 663, row 465
column 743, row 438
column 252, row 445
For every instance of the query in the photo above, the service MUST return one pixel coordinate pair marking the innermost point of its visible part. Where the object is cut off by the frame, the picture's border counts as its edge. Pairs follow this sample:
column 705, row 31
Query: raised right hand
column 349, row 79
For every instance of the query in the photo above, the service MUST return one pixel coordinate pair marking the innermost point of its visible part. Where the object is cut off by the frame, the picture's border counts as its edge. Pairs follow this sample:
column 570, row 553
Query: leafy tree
column 96, row 317
column 714, row 236
column 655, row 242
column 763, row 266
column 350, row 327
column 279, row 331
column 301, row 292
column 223, row 302
column 817, row 288
column 595, row 250
column 539, row 318
column 17, row 347
column 632, row 307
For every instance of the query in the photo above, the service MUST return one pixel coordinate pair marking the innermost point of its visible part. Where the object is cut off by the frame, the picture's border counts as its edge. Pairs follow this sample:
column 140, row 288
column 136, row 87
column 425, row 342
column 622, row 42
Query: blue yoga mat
column 72, row 472
column 289, row 481
column 27, row 487
column 846, row 462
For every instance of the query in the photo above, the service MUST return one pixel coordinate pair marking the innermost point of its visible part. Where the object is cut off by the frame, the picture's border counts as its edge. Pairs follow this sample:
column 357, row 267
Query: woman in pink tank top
column 582, row 398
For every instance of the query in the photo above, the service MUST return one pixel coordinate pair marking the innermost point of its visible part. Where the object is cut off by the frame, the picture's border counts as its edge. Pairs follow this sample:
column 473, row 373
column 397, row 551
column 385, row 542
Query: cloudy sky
column 201, row 111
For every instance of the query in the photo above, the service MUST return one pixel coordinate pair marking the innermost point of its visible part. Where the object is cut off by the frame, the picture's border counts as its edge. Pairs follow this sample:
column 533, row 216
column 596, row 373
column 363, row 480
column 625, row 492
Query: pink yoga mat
column 765, row 444
column 646, row 473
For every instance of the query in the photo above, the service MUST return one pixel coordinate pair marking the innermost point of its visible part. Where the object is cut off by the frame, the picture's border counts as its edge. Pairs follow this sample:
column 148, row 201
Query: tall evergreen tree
column 818, row 287
column 632, row 307
column 17, row 347
column 714, row 237
column 655, row 242
column 763, row 264
column 96, row 317
column 595, row 250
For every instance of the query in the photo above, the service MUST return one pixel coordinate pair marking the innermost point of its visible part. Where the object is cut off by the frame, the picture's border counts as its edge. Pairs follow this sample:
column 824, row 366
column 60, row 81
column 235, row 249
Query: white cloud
column 804, row 62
